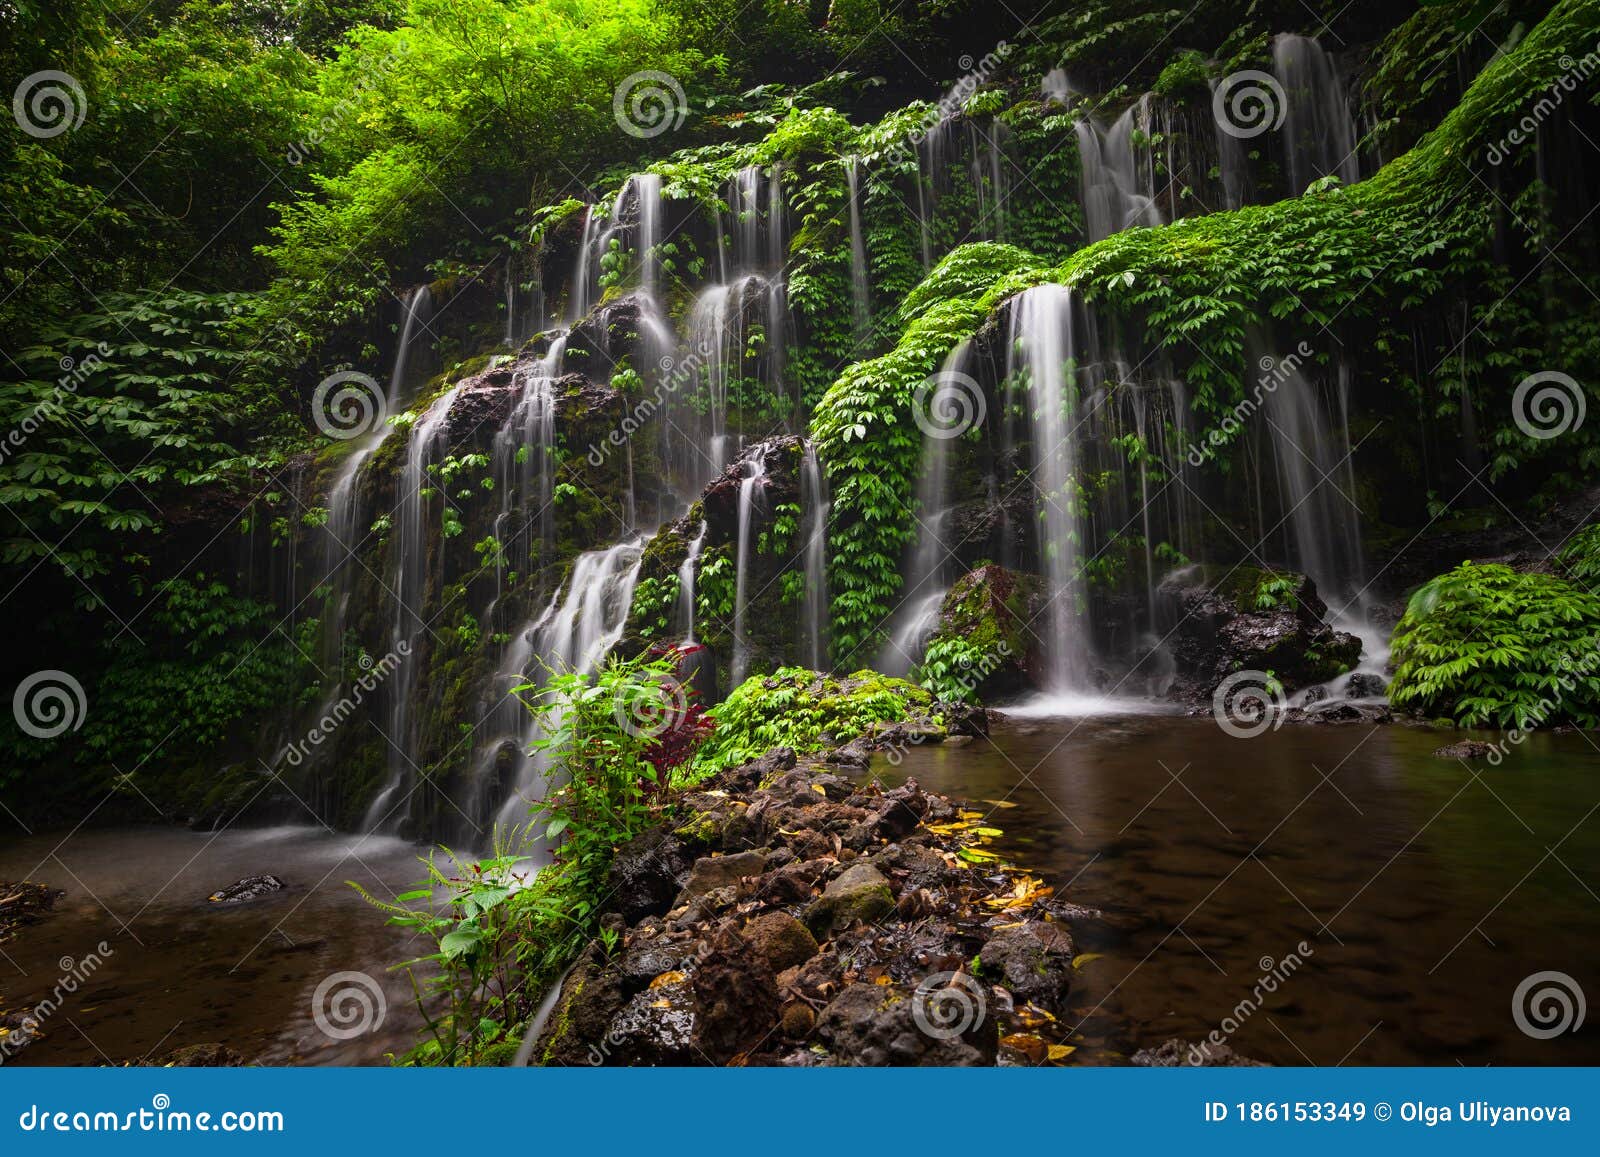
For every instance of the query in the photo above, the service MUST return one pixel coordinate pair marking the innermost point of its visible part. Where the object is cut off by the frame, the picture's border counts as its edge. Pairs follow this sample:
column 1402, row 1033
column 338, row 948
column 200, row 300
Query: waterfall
column 755, row 473
column 989, row 177
column 1233, row 165
column 511, row 308
column 744, row 200
column 926, row 576
column 343, row 530
column 575, row 633
column 1045, row 348
column 647, row 194
column 686, row 573
column 522, row 455
column 1118, row 179
column 409, row 588
column 860, row 304
column 579, row 294
column 1319, row 133
column 814, row 500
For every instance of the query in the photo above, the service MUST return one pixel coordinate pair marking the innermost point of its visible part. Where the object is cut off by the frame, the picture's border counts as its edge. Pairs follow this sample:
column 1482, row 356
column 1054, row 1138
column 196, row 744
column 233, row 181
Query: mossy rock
column 985, row 636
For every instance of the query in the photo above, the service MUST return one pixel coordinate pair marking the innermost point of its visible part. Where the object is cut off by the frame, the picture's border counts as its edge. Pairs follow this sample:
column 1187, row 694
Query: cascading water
column 409, row 589
column 814, row 500
column 1045, row 350
column 523, row 452
column 1319, row 132
column 860, row 302
column 686, row 573
column 575, row 633
column 1118, row 178
column 343, row 530
column 755, row 473
column 927, row 574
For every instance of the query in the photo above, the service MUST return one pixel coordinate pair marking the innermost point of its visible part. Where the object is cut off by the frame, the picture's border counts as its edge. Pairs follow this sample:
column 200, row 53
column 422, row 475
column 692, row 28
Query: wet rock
column 1249, row 619
column 853, row 755
column 202, row 1056
column 1344, row 711
column 1365, row 685
column 872, row 1024
column 1177, row 1053
column 657, row 1027
column 644, row 960
column 247, row 889
column 1464, row 749
column 1033, row 962
column 771, row 765
column 25, row 903
column 710, row 873
column 860, row 894
column 791, row 884
column 989, row 610
column 646, row 875
column 780, row 940
column 964, row 719
column 576, row 1032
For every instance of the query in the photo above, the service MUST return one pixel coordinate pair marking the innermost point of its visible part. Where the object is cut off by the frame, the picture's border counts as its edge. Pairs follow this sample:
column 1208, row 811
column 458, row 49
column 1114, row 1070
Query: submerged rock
column 247, row 889
column 1464, row 749
column 1177, row 1053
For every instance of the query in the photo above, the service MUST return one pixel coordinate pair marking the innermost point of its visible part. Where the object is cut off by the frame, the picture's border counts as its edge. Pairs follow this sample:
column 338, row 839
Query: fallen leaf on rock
column 666, row 978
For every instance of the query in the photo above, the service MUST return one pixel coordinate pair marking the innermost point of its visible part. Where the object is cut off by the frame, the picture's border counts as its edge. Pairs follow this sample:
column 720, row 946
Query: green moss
column 810, row 712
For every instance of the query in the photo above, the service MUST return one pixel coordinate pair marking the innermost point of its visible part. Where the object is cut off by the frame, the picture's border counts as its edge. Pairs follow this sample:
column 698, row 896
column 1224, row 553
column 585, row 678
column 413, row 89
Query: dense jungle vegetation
column 224, row 202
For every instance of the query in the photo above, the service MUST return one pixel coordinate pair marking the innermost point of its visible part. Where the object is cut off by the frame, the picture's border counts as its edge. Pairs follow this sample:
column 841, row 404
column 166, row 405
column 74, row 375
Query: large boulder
column 879, row 1024
column 1033, row 961
column 861, row 894
column 646, row 875
column 1246, row 618
column 990, row 611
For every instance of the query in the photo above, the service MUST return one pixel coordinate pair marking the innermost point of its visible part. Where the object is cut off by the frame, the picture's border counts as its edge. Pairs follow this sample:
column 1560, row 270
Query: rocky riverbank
column 799, row 916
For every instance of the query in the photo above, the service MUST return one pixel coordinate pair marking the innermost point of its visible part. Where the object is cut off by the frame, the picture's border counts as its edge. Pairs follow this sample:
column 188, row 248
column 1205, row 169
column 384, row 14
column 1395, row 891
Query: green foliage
column 121, row 414
column 1486, row 645
column 947, row 668
column 797, row 708
column 500, row 939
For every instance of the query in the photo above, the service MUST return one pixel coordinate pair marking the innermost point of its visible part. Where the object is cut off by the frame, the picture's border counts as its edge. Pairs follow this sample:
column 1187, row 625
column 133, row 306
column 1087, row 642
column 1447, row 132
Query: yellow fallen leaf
column 1087, row 958
column 661, row 1004
column 990, row 832
column 1000, row 802
column 976, row 855
column 819, row 789
column 1060, row 1052
column 666, row 978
